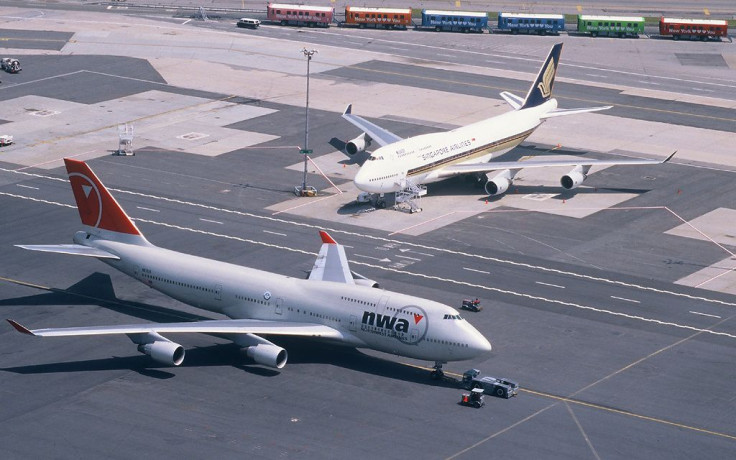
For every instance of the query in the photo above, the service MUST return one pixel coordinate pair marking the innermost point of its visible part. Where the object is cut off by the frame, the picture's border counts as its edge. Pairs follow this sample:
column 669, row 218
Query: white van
column 249, row 23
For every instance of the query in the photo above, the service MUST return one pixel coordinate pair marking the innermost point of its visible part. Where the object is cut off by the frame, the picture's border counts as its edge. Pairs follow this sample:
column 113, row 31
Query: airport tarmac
column 590, row 296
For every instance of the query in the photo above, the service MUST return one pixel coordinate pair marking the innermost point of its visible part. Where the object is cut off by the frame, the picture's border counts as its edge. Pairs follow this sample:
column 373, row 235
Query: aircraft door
column 279, row 305
column 218, row 291
column 353, row 323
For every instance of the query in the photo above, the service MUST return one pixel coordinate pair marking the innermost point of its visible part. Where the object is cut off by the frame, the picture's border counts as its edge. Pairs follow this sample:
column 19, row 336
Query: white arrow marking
column 373, row 258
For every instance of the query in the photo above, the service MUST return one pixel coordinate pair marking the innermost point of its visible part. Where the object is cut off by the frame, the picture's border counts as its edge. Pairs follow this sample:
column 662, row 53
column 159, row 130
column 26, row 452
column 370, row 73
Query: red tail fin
column 97, row 208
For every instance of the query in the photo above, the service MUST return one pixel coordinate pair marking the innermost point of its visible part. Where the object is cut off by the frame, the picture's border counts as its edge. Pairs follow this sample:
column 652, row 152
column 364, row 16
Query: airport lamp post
column 305, row 151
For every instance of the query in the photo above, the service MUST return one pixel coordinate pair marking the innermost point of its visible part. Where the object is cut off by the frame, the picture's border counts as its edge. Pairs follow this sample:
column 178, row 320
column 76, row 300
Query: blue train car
column 542, row 24
column 457, row 21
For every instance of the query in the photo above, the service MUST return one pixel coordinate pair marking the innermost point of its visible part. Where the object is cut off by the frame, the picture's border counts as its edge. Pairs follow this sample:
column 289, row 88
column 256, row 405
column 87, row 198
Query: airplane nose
column 361, row 180
column 481, row 345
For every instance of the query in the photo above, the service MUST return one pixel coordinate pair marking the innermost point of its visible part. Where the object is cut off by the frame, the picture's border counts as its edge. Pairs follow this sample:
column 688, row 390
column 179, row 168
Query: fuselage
column 366, row 317
column 421, row 159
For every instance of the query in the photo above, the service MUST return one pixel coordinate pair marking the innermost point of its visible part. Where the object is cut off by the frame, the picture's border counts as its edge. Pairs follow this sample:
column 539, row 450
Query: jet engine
column 358, row 145
column 361, row 280
column 574, row 178
column 163, row 351
column 500, row 183
column 267, row 355
column 261, row 350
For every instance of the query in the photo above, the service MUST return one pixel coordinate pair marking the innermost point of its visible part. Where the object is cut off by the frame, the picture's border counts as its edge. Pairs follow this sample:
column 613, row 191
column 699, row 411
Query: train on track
column 474, row 21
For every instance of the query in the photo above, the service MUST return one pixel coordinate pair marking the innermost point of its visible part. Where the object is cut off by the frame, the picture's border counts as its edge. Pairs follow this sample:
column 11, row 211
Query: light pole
column 305, row 151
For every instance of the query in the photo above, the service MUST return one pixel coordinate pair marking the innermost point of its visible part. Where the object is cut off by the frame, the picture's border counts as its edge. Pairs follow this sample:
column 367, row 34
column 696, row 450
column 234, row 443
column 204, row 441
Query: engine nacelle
column 267, row 355
column 358, row 145
column 361, row 280
column 574, row 178
column 500, row 183
column 165, row 352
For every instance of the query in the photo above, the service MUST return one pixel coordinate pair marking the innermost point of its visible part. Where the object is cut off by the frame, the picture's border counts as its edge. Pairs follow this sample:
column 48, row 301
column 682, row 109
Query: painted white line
column 399, row 49
column 704, row 90
column 446, row 55
column 211, row 221
column 486, row 259
column 147, row 209
column 416, row 252
column 407, row 257
column 274, row 233
column 385, row 259
column 648, row 82
column 27, row 186
column 476, row 271
column 186, row 22
column 705, row 314
column 550, row 285
column 625, row 299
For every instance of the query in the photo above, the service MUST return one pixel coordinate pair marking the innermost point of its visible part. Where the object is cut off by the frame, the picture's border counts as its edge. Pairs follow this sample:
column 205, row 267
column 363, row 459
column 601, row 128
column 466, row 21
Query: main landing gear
column 437, row 373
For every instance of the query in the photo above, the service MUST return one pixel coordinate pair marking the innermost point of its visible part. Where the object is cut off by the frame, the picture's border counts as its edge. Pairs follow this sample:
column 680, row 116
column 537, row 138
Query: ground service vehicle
column 702, row 29
column 472, row 305
column 5, row 139
column 541, row 24
column 249, row 23
column 386, row 18
column 612, row 26
column 300, row 15
column 503, row 388
column 455, row 21
column 10, row 65
column 474, row 399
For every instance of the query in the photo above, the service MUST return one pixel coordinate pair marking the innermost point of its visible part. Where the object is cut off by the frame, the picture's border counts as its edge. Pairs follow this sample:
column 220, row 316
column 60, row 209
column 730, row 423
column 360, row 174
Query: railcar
column 300, row 15
column 703, row 29
column 611, row 26
column 541, row 24
column 386, row 18
column 454, row 21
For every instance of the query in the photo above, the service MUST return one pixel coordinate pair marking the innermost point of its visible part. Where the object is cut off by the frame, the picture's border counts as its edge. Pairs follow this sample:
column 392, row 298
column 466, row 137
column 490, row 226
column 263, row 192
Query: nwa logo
column 408, row 325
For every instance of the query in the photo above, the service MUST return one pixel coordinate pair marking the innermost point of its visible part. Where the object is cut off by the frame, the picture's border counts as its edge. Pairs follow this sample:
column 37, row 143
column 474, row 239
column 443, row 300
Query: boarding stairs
column 410, row 196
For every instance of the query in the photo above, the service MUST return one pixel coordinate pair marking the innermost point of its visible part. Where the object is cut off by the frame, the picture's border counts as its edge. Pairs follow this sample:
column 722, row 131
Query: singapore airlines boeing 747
column 402, row 164
column 333, row 304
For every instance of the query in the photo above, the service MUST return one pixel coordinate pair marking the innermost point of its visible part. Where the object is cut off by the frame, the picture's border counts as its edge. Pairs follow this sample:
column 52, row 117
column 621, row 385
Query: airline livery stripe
column 470, row 154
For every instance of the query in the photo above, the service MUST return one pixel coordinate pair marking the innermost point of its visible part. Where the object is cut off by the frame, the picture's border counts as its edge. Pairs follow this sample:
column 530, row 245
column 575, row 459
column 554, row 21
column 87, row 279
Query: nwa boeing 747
column 333, row 304
column 405, row 164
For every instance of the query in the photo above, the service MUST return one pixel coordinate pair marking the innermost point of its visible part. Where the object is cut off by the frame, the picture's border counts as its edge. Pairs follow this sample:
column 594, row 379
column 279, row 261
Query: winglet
column 20, row 328
column 670, row 157
column 348, row 109
column 326, row 238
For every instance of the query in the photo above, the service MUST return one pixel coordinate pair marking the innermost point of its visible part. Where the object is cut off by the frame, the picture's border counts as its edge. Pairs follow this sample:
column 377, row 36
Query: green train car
column 611, row 26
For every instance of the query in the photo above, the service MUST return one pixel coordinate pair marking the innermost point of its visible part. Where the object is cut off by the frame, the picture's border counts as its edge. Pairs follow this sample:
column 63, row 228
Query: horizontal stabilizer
column 563, row 112
column 512, row 99
column 72, row 249
column 226, row 326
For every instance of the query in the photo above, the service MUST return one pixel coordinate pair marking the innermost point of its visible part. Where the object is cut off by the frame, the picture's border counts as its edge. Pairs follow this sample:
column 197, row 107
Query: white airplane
column 400, row 164
column 334, row 304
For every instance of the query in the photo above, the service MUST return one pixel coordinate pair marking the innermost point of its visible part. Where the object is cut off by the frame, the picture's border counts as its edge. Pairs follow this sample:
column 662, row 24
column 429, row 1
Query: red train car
column 388, row 18
column 703, row 29
column 300, row 15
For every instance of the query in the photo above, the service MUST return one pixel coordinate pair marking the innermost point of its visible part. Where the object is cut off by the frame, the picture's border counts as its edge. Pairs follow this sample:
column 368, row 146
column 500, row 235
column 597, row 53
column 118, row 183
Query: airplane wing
column 331, row 263
column 227, row 326
column 454, row 170
column 375, row 132
column 73, row 249
column 563, row 112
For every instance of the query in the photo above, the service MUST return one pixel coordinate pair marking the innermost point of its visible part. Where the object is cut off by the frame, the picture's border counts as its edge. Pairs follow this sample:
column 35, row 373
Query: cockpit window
column 452, row 317
column 374, row 158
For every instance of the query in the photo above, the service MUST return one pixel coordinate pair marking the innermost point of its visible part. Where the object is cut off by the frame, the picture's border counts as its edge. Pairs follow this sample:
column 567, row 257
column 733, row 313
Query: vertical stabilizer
column 541, row 89
column 97, row 208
